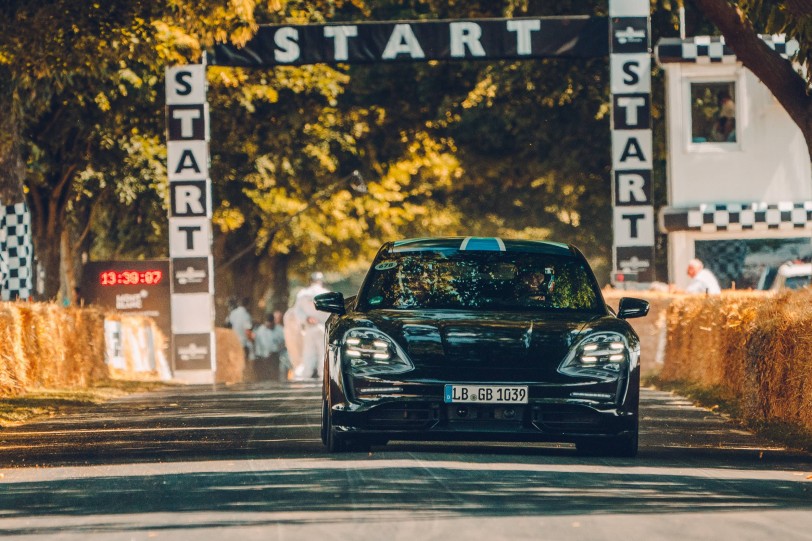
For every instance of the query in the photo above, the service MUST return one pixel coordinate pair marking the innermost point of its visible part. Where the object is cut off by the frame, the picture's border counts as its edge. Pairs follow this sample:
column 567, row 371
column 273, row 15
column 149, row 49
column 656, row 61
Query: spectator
column 312, row 322
column 269, row 344
column 239, row 319
column 702, row 279
column 725, row 128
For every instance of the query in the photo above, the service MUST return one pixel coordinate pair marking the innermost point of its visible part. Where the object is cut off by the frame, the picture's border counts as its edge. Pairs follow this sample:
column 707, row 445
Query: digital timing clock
column 130, row 277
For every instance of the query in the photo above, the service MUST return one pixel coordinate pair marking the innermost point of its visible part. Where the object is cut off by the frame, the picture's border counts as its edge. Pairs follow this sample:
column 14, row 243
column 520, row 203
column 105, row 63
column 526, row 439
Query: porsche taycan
column 480, row 339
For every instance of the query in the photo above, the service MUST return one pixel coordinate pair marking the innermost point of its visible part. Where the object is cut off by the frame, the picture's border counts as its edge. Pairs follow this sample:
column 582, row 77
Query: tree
column 80, row 94
column 531, row 138
column 741, row 22
column 74, row 70
column 506, row 148
column 284, row 144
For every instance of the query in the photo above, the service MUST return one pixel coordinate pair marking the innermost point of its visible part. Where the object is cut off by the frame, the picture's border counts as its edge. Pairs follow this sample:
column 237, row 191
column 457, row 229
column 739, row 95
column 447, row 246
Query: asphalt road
column 245, row 462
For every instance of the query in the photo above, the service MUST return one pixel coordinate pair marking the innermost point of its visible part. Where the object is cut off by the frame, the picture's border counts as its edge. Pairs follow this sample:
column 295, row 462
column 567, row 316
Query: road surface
column 245, row 462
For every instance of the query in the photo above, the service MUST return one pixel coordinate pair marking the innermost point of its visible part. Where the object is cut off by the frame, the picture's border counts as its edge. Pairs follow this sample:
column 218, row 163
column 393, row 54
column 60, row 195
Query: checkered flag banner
column 713, row 50
column 16, row 253
column 710, row 218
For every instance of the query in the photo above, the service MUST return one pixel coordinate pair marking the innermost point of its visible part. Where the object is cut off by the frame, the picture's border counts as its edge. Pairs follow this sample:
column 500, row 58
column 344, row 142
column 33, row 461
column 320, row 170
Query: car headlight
column 370, row 352
column 604, row 352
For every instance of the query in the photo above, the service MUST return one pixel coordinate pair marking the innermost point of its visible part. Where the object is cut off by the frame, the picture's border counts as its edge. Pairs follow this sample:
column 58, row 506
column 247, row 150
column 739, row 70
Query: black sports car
column 480, row 339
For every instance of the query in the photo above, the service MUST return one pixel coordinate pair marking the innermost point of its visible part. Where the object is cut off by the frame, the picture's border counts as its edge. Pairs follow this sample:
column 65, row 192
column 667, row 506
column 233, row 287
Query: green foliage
column 503, row 148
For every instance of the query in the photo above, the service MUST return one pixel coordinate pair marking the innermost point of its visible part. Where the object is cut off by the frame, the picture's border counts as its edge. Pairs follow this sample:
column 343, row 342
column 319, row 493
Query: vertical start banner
column 630, row 65
column 190, row 209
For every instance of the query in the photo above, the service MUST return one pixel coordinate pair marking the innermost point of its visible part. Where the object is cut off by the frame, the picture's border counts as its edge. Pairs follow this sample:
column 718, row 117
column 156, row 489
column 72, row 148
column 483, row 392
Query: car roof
column 482, row 244
column 795, row 269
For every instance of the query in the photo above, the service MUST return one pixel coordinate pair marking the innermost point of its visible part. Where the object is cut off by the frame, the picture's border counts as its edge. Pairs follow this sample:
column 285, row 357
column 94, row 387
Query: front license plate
column 485, row 394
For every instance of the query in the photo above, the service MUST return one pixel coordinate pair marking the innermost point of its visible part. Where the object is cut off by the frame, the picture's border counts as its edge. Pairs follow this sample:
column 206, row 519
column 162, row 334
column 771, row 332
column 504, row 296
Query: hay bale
column 750, row 344
column 45, row 345
column 230, row 357
column 13, row 364
column 85, row 348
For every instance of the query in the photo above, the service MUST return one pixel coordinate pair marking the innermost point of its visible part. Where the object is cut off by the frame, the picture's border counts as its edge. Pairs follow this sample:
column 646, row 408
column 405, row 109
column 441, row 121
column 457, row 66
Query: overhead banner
column 475, row 39
column 624, row 36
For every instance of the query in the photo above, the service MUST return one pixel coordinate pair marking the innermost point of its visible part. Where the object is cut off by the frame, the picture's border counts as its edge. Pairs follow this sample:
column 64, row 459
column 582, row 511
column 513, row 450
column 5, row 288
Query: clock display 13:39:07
column 130, row 277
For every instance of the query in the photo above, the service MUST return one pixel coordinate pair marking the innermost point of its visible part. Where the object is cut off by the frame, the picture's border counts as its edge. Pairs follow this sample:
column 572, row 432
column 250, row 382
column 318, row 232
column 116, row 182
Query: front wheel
column 325, row 411
column 334, row 442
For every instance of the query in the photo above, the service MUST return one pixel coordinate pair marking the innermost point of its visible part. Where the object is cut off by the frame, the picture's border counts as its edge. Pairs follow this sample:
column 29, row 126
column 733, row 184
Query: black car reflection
column 480, row 339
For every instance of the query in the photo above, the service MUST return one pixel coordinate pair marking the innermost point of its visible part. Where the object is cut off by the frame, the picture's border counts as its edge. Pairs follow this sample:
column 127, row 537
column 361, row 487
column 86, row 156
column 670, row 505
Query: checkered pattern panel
column 16, row 253
column 738, row 217
column 724, row 258
column 712, row 49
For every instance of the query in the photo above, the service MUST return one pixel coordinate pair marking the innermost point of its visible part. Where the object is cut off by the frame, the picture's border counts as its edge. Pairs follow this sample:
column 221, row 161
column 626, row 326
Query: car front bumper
column 418, row 412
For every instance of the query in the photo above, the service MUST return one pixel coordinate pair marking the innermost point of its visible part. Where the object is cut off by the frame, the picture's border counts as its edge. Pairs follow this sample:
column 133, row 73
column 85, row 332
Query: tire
column 334, row 442
column 324, row 423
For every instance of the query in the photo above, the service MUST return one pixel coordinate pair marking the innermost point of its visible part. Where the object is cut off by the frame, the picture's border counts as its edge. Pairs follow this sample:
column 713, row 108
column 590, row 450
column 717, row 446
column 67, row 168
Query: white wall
column 769, row 163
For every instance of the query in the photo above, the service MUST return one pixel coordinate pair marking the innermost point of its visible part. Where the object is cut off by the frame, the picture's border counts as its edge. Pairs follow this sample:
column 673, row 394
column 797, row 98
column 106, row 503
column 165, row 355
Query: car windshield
column 479, row 280
column 797, row 282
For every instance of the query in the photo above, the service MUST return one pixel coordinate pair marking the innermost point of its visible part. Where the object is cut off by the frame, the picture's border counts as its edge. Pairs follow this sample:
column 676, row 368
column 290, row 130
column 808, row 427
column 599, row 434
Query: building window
column 713, row 112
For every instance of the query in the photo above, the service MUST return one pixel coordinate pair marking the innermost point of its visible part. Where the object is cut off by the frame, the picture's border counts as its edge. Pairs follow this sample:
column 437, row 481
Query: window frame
column 732, row 77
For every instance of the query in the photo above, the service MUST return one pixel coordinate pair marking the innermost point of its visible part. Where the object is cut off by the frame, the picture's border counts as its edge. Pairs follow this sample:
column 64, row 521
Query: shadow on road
column 277, row 427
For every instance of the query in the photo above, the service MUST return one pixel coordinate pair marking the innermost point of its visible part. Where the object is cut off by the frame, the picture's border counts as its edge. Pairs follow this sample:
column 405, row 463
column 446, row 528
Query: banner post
column 190, row 233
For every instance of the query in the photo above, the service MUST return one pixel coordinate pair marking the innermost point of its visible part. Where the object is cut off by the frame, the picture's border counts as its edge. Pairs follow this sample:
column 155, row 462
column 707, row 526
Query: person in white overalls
column 312, row 323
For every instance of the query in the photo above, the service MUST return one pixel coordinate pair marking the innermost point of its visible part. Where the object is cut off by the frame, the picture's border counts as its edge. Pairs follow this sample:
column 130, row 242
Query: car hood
column 489, row 343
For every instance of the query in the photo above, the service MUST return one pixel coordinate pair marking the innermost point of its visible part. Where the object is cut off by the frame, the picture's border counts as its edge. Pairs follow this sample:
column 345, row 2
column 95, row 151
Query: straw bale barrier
column 230, row 357
column 753, row 346
column 43, row 345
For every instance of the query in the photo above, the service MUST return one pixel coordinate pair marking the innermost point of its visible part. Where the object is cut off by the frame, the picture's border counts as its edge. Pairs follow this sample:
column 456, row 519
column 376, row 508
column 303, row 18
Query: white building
column 740, row 188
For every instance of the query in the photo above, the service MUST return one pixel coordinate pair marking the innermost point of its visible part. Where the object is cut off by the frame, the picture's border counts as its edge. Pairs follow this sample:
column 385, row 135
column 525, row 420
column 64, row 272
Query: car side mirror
column 332, row 302
column 630, row 308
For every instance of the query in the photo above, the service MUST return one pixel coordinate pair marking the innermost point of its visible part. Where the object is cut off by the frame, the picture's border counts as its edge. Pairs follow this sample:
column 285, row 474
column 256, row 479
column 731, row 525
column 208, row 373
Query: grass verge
column 44, row 403
column 728, row 404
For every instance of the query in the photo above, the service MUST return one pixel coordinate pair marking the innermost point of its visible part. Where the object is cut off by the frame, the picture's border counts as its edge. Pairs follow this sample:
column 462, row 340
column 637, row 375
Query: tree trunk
column 235, row 278
column 47, row 228
column 788, row 87
column 279, row 297
column 49, row 263
column 16, row 252
column 67, row 268
column 12, row 167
